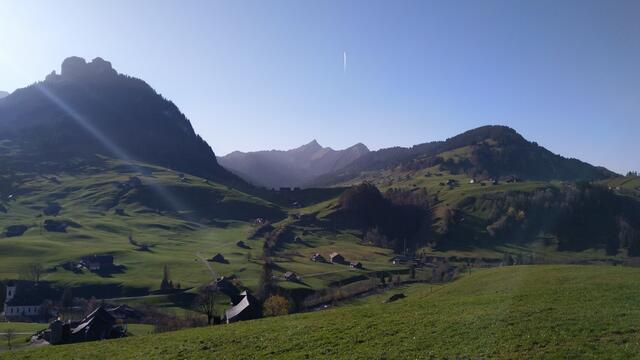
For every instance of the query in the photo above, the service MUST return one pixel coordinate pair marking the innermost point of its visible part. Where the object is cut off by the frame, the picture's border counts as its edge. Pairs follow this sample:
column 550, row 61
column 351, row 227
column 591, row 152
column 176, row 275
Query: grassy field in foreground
column 554, row 311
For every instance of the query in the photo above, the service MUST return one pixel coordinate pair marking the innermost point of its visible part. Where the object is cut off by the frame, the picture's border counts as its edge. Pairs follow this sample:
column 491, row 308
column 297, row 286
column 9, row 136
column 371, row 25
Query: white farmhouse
column 18, row 304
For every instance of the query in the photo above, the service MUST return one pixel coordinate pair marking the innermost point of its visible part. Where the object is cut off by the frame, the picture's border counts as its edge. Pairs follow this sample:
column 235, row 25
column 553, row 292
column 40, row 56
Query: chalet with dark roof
column 290, row 276
column 98, row 325
column 97, row 262
column 219, row 258
column 244, row 307
column 336, row 258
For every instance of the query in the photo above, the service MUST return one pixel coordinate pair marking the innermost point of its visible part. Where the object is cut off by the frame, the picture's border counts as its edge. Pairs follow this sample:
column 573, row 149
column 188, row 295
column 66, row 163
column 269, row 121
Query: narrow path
column 206, row 263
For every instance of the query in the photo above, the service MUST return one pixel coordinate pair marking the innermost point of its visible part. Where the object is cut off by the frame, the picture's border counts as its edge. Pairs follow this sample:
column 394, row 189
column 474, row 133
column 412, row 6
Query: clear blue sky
column 256, row 75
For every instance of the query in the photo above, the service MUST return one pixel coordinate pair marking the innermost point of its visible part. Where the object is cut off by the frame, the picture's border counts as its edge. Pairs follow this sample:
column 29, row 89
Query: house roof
column 218, row 258
column 247, row 307
column 238, row 308
column 95, row 326
column 334, row 254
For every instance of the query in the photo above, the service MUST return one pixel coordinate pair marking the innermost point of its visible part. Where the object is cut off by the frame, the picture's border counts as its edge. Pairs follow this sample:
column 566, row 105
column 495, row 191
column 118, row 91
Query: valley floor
column 542, row 311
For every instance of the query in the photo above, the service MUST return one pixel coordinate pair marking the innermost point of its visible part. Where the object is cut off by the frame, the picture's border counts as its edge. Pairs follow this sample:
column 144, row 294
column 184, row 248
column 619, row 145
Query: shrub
column 276, row 305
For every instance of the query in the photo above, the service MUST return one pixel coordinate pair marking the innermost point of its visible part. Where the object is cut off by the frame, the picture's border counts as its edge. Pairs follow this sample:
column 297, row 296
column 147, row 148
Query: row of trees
column 167, row 284
column 399, row 219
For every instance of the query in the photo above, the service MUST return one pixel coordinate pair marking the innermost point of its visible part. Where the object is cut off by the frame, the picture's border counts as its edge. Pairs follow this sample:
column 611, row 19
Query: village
column 66, row 319
column 69, row 315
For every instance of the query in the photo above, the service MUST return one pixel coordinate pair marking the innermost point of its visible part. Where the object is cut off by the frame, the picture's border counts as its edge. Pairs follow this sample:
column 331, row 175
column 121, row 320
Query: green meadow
column 183, row 221
column 550, row 311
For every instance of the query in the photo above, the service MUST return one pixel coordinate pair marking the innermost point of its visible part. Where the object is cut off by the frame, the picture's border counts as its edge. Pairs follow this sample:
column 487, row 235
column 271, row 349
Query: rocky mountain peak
column 75, row 67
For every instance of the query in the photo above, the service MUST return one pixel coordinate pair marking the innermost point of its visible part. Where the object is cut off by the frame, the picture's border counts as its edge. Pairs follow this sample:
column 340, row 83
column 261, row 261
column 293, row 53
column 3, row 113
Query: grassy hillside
column 624, row 185
column 183, row 220
column 503, row 313
column 476, row 213
column 488, row 151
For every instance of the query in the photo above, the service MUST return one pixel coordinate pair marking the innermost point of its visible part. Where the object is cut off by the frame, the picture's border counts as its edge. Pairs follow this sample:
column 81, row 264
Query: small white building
column 17, row 305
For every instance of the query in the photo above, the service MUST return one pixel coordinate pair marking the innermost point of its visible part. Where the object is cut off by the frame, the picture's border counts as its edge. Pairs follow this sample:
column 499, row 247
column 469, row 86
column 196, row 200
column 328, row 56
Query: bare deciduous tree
column 32, row 272
column 206, row 301
column 9, row 335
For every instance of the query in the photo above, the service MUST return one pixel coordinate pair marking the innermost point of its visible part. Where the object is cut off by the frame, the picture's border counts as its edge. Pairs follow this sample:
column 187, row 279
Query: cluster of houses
column 101, row 324
column 493, row 181
column 336, row 258
column 26, row 300
column 93, row 263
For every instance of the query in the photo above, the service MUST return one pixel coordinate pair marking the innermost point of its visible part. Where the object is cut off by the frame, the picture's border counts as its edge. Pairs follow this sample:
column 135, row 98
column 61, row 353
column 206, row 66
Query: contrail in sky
column 344, row 61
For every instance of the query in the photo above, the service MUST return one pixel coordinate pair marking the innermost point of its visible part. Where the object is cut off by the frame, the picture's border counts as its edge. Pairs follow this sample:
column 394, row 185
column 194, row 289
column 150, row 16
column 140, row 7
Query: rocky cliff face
column 76, row 68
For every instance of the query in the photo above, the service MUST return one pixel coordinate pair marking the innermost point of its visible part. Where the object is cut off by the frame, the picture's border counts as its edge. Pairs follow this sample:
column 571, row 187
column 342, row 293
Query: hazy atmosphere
column 319, row 179
column 254, row 75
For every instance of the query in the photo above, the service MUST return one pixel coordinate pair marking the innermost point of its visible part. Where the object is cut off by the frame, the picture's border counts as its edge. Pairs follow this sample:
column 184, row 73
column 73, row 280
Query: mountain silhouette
column 291, row 168
column 489, row 151
column 89, row 108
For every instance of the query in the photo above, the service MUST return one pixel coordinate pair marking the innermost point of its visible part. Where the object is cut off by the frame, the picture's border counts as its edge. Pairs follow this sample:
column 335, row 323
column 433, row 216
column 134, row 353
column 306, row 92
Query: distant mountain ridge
column 291, row 168
column 91, row 109
column 487, row 151
column 3, row 94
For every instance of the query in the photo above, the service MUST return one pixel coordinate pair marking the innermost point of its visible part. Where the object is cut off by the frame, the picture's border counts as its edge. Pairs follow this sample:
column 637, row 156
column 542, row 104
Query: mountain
column 290, row 168
column 89, row 108
column 488, row 152
column 3, row 94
